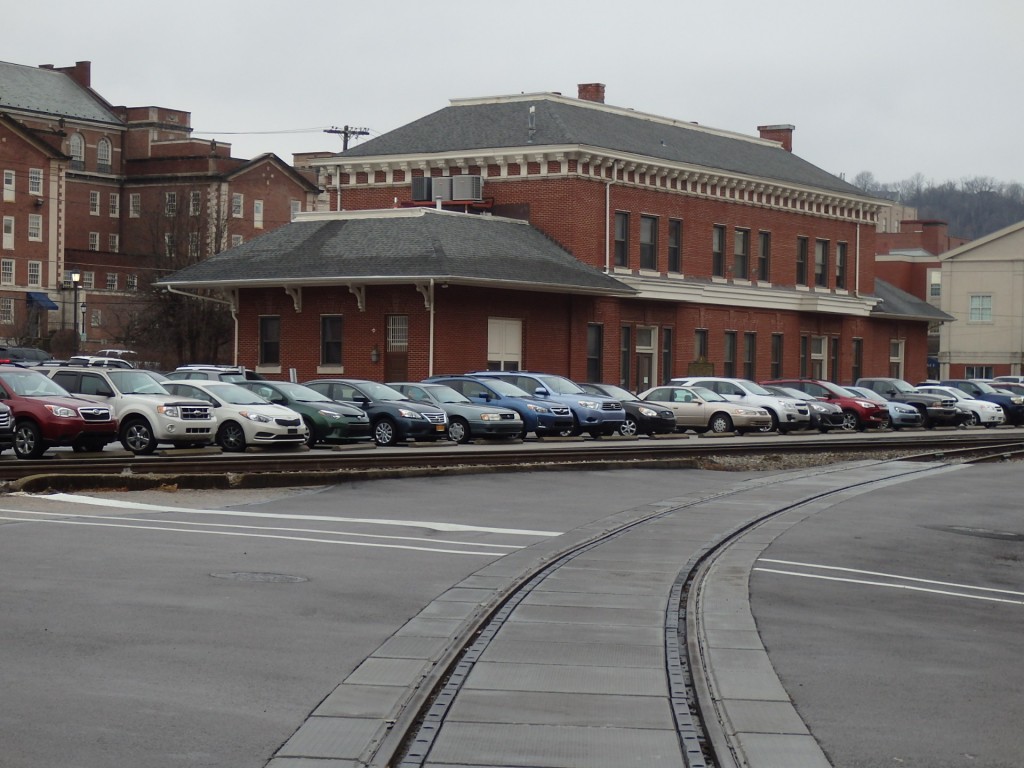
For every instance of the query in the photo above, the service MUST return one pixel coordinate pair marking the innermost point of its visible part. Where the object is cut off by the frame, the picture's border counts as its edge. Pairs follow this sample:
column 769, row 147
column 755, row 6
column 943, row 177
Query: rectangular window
column 114, row 199
column 750, row 356
column 330, row 339
column 134, row 205
column 935, row 283
column 841, row 265
column 625, row 356
column 8, row 234
column 96, row 318
column 595, row 347
column 195, row 202
column 621, row 239
column 112, row 281
column 35, row 227
column 858, row 359
column 896, row 358
column 113, row 243
column 805, row 356
column 94, row 203
column 170, row 246
column 764, row 256
column 741, row 254
column 821, row 263
column 833, row 358
column 675, row 245
column 193, row 245
column 6, row 271
column 729, row 354
column 398, row 333
column 296, row 208
column 978, row 371
column 666, row 354
column 718, row 251
column 236, row 240
column 270, row 340
column 170, row 203
column 819, row 369
column 35, row 274
column 94, row 241
column 6, row 311
column 700, row 345
column 237, row 206
column 648, row 242
column 89, row 280
column 132, row 282
column 776, row 369
column 8, row 186
column 504, row 344
column 801, row 261
column 35, row 181
column 980, row 308
column 257, row 214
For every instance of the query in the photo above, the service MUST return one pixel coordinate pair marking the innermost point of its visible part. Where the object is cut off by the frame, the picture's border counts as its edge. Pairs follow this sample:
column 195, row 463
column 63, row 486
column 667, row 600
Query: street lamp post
column 76, row 279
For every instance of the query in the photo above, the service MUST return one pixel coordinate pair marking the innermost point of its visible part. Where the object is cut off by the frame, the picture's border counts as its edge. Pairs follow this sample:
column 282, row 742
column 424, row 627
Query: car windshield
column 561, row 386
column 838, row 391
column 131, row 382
column 300, row 392
column 234, row 394
column 32, row 384
column 618, row 392
column 376, row 391
column 504, row 388
column 708, row 395
column 752, row 388
column 901, row 386
column 868, row 394
column 796, row 394
column 986, row 388
column 445, row 394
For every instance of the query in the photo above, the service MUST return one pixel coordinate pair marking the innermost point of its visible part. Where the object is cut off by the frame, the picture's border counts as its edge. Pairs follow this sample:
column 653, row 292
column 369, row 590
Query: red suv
column 858, row 412
column 46, row 415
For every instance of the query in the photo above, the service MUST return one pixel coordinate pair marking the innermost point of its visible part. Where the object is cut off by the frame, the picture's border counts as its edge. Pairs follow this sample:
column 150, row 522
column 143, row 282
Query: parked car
column 859, row 412
column 235, row 373
column 704, row 410
column 24, row 355
column 6, row 427
column 1012, row 405
column 243, row 417
column 900, row 414
column 540, row 416
column 393, row 416
column 641, row 418
column 596, row 415
column 147, row 413
column 998, row 380
column 325, row 420
column 95, row 361
column 47, row 415
column 937, row 410
column 824, row 416
column 466, row 419
column 1009, row 387
column 786, row 413
column 980, row 413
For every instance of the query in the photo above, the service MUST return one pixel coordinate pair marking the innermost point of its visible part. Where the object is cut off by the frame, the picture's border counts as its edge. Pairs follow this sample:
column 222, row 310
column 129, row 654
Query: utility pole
column 346, row 133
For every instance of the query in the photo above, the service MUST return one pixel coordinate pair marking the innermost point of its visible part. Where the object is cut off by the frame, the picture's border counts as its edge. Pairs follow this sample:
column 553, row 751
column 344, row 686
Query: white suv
column 147, row 413
column 788, row 413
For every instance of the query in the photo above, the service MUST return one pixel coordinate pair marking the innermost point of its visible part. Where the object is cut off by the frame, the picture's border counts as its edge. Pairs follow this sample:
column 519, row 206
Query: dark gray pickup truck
column 938, row 411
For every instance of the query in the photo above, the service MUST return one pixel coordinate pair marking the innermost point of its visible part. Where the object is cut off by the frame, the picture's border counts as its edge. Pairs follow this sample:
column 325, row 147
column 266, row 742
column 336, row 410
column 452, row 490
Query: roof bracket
column 359, row 291
column 424, row 291
column 296, row 293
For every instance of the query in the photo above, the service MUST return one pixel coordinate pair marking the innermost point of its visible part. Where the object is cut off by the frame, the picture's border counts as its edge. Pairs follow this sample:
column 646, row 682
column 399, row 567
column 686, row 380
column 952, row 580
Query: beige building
column 983, row 288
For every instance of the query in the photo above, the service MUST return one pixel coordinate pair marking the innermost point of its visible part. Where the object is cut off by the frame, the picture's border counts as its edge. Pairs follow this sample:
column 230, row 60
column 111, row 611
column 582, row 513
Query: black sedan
column 393, row 416
column 641, row 418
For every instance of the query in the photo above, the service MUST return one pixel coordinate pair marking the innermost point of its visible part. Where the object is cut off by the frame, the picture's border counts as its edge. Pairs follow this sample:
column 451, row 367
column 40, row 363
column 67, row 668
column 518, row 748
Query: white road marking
column 436, row 526
column 263, row 528
column 890, row 576
column 258, row 536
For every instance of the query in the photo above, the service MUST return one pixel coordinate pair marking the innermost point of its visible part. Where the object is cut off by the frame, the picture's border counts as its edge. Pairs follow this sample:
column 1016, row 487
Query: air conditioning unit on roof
column 467, row 188
column 442, row 188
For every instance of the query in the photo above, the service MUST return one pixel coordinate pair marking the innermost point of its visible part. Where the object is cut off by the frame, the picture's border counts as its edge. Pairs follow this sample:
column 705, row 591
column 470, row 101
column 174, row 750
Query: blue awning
column 40, row 300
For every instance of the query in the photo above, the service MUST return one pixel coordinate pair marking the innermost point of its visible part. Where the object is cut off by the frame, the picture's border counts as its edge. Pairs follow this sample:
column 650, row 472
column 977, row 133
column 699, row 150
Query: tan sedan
column 703, row 410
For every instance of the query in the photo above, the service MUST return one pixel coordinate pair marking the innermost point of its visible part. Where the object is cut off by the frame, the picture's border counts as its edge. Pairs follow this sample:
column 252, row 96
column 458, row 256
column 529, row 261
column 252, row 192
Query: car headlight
column 752, row 412
column 490, row 417
column 650, row 413
column 786, row 405
column 537, row 408
column 252, row 416
column 819, row 408
column 168, row 410
column 62, row 411
column 591, row 404
column 865, row 404
column 407, row 414
column 1017, row 400
column 330, row 414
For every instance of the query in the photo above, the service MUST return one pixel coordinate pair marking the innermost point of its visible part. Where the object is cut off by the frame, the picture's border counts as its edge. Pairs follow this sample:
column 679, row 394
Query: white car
column 984, row 413
column 787, row 413
column 244, row 417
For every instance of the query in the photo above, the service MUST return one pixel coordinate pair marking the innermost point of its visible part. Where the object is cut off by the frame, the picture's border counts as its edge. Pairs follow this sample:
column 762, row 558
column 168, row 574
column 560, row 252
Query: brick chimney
column 81, row 73
column 780, row 133
column 591, row 92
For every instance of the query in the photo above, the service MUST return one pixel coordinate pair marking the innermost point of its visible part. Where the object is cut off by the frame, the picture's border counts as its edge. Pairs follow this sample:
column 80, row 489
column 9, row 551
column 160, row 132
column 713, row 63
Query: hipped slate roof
column 400, row 246
column 560, row 121
column 47, row 91
column 896, row 303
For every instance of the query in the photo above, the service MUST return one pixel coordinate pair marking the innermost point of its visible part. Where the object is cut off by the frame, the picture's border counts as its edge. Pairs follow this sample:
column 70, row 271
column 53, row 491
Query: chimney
column 591, row 92
column 81, row 73
column 780, row 133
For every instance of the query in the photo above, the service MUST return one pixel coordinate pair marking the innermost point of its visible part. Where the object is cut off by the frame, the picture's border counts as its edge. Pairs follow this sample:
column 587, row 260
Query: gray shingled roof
column 897, row 303
column 558, row 123
column 47, row 91
column 401, row 246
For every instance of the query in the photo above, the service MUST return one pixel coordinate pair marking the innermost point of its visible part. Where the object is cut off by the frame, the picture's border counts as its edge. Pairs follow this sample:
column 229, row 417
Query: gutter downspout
column 232, row 305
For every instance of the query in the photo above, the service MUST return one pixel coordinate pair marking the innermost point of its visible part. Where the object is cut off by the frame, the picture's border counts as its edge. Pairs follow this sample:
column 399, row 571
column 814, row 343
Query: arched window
column 76, row 148
column 103, row 155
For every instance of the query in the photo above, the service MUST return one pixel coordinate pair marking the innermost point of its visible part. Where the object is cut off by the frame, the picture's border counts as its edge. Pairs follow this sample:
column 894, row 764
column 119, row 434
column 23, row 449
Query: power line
column 346, row 133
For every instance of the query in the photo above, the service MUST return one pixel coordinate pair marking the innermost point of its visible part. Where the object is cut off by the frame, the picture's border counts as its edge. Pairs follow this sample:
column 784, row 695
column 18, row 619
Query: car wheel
column 926, row 422
column 28, row 442
column 384, row 432
column 975, row 420
column 231, row 437
column 774, row 426
column 458, row 430
column 571, row 431
column 137, row 436
column 629, row 427
column 851, row 421
column 720, row 423
column 311, row 436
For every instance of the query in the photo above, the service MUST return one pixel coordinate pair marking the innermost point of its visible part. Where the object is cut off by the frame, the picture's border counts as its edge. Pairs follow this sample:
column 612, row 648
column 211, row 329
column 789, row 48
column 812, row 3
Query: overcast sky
column 894, row 87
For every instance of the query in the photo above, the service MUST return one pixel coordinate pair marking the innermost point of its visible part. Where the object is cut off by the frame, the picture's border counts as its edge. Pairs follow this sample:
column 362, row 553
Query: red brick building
column 96, row 197
column 709, row 248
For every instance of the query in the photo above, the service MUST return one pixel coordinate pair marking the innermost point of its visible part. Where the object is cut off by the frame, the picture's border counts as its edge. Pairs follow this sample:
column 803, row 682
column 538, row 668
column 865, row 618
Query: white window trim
column 6, row 271
column 35, row 274
column 35, row 222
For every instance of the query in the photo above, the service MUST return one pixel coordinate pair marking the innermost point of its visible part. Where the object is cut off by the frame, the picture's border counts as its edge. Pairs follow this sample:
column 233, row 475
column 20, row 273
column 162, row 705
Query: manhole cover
column 984, row 533
column 266, row 578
